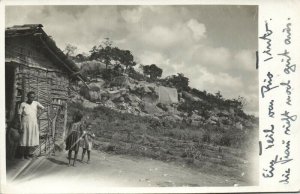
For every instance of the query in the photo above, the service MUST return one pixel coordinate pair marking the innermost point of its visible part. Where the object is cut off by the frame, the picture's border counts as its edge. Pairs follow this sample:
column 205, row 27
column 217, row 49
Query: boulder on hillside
column 162, row 106
column 147, row 89
column 109, row 104
column 114, row 94
column 144, row 90
column 196, row 117
column 167, row 95
column 226, row 120
column 122, row 81
column 172, row 109
column 213, row 120
column 172, row 118
column 190, row 97
column 94, row 96
column 134, row 98
column 96, row 86
column 88, row 104
column 150, row 108
column 150, row 98
column 223, row 113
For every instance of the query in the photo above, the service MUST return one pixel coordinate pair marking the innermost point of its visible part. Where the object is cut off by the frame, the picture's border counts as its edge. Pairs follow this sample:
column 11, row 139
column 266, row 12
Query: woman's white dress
column 29, row 124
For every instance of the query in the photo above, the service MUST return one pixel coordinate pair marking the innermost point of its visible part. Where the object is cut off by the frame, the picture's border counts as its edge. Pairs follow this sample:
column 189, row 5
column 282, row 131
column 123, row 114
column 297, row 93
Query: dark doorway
column 9, row 91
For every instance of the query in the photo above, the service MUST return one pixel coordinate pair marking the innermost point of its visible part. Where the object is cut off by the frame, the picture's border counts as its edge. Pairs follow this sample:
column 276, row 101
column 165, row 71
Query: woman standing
column 29, row 125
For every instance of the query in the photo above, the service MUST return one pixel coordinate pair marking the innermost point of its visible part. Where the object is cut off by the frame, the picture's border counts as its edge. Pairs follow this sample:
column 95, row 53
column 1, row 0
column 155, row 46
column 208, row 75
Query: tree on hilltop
column 125, row 58
column 153, row 71
column 112, row 56
column 179, row 81
column 103, row 53
column 70, row 50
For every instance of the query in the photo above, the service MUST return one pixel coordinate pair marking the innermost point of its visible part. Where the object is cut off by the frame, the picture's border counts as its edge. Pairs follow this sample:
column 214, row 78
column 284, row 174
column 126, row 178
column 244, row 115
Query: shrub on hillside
column 84, row 91
column 225, row 140
column 206, row 138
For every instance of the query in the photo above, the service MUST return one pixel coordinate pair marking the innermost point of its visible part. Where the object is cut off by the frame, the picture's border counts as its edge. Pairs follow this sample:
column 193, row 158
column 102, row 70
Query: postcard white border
column 266, row 9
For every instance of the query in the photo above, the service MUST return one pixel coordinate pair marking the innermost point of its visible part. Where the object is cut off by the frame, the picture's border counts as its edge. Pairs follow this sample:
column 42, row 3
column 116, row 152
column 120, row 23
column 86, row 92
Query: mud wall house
column 34, row 63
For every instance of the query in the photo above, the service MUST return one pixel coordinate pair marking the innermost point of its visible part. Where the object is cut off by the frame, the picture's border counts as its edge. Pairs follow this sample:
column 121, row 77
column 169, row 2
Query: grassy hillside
column 197, row 128
column 208, row 147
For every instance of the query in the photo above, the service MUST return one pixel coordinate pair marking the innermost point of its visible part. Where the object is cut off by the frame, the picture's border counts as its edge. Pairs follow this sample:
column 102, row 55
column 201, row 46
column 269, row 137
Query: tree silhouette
column 179, row 81
column 126, row 58
column 219, row 95
column 153, row 71
column 103, row 53
column 70, row 50
column 112, row 56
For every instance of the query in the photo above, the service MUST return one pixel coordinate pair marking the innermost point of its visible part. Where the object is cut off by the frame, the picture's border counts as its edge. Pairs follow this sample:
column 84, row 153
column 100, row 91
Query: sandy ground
column 52, row 174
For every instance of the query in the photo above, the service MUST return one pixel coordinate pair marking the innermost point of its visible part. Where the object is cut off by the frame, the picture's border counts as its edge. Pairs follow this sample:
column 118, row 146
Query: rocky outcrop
column 190, row 97
column 127, row 95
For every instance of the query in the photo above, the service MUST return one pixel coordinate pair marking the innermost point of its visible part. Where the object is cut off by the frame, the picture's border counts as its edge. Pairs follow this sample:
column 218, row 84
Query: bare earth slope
column 52, row 174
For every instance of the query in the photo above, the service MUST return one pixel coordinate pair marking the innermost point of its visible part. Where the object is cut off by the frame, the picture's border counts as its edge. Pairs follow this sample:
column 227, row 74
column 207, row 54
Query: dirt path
column 106, row 170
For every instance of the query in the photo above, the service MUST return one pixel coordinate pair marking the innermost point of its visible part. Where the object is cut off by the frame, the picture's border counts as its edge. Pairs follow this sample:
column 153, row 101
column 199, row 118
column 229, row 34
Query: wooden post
column 37, row 82
column 40, row 148
column 23, row 86
column 46, row 143
column 65, row 121
column 54, row 134
column 54, row 130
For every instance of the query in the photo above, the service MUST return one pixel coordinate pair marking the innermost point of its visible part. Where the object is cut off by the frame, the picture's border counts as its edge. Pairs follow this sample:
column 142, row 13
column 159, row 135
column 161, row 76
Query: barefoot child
column 73, row 138
column 87, row 142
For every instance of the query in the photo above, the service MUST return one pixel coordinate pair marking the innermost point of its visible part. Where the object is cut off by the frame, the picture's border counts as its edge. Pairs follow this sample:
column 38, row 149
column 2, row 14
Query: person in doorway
column 29, row 124
column 87, row 142
column 74, row 137
column 12, row 139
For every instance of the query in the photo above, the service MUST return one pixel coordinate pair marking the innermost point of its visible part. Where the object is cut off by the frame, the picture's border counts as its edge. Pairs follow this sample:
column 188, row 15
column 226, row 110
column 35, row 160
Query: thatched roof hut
column 33, row 62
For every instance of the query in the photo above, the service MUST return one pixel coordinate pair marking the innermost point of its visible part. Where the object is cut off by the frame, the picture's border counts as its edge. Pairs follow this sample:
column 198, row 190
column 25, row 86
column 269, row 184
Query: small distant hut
column 33, row 62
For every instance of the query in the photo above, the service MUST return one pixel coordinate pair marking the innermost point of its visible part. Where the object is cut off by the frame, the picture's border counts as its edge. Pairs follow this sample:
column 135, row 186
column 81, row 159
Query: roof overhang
column 36, row 31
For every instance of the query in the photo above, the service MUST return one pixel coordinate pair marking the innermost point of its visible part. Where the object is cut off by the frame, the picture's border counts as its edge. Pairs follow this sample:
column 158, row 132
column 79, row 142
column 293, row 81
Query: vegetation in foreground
column 207, row 148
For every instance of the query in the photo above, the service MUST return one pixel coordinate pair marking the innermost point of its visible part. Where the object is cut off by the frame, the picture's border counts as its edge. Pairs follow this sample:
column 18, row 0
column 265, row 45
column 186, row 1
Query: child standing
column 87, row 142
column 73, row 138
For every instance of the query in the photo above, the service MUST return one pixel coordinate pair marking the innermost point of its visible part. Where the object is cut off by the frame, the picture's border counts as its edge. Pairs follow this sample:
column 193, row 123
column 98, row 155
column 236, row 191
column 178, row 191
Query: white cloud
column 246, row 59
column 132, row 16
column 219, row 57
column 228, row 81
column 170, row 37
column 147, row 58
column 159, row 36
column 197, row 28
column 214, row 82
column 203, row 78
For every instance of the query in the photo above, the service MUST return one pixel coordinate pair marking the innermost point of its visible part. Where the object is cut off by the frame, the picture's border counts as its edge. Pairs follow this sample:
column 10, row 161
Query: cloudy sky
column 212, row 45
